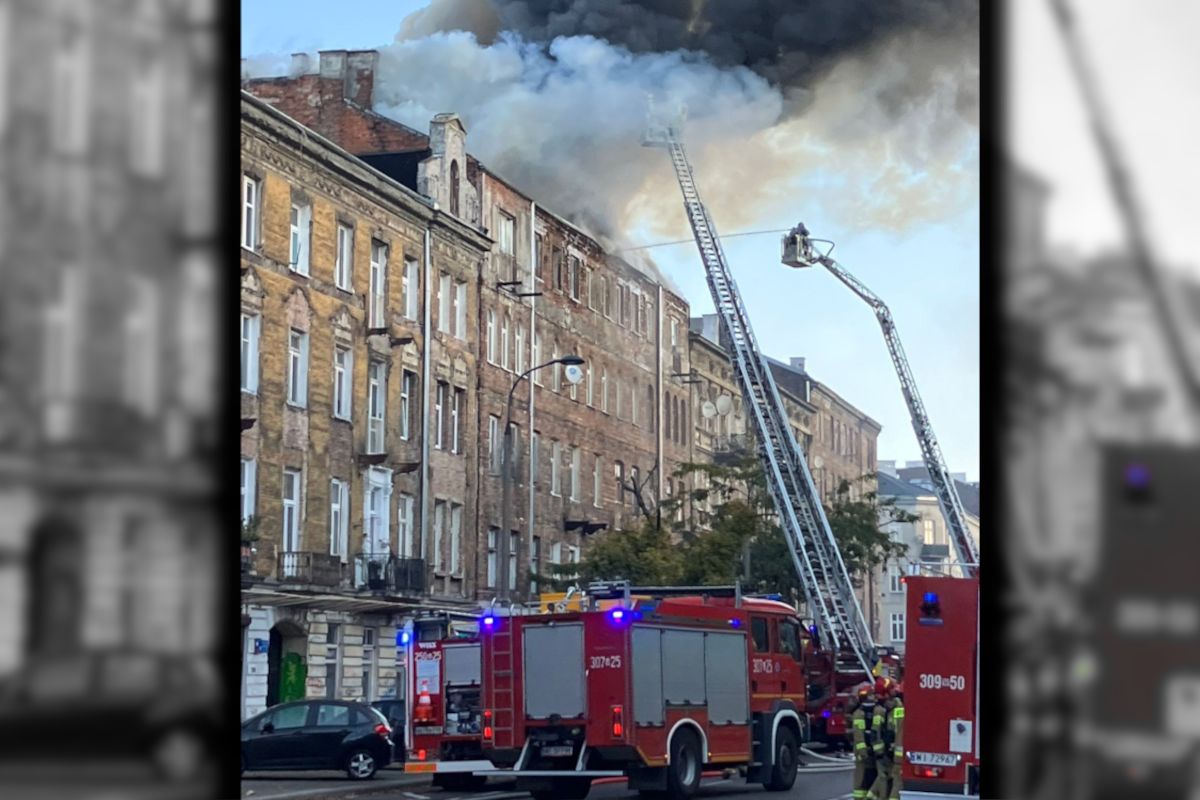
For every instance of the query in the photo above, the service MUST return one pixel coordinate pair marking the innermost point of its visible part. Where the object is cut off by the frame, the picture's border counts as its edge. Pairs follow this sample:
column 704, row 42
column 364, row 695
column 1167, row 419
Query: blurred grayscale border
column 1100, row 692
column 110, row 549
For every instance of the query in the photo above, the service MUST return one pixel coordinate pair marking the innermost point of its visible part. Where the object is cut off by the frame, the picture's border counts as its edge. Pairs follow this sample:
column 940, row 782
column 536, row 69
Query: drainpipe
column 426, row 370
column 658, row 357
column 533, row 265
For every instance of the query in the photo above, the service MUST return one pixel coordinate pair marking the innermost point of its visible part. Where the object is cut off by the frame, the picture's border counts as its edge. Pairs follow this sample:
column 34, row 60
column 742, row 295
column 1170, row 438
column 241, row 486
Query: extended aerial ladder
column 828, row 592
column 798, row 251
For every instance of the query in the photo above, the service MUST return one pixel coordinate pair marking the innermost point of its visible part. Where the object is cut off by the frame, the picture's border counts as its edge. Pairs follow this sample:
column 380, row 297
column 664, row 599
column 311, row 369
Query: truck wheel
column 683, row 773
column 565, row 789
column 786, row 761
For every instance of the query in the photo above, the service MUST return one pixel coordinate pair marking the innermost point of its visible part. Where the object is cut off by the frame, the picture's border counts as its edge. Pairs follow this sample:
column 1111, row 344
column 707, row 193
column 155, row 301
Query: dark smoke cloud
column 788, row 42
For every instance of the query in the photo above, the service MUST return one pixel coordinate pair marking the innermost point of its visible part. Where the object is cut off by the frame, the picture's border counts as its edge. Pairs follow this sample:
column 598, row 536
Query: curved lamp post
column 574, row 376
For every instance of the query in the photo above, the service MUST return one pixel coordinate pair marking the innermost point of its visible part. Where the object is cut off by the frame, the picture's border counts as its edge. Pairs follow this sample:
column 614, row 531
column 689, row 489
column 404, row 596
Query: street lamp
column 574, row 375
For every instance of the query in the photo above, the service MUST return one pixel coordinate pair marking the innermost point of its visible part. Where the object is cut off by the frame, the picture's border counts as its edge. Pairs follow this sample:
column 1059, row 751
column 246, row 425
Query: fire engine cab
column 941, row 687
column 656, row 687
column 445, row 687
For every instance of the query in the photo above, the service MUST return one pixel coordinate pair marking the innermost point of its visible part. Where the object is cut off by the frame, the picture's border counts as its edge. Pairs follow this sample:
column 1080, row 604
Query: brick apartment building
column 507, row 285
column 108, row 539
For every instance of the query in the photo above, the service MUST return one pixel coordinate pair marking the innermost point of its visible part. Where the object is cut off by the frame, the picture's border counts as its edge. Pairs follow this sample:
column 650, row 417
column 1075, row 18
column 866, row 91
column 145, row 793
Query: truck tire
column 683, row 773
column 565, row 789
column 785, row 762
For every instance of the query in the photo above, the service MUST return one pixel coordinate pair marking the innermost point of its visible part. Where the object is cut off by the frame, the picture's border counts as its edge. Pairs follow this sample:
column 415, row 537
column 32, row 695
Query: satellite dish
column 724, row 404
column 708, row 409
column 574, row 374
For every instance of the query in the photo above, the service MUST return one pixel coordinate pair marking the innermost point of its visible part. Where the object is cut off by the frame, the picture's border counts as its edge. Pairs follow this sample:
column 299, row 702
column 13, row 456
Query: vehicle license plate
column 557, row 750
column 933, row 759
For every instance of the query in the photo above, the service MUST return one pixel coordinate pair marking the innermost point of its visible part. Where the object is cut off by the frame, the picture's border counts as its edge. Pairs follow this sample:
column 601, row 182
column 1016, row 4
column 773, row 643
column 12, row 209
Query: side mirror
column 267, row 728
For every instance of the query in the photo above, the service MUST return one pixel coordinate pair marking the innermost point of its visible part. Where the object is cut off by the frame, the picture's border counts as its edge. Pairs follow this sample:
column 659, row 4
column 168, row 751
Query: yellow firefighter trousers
column 897, row 777
column 862, row 764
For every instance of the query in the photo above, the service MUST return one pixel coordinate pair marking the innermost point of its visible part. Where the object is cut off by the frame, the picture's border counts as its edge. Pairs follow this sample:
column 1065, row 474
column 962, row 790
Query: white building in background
column 926, row 538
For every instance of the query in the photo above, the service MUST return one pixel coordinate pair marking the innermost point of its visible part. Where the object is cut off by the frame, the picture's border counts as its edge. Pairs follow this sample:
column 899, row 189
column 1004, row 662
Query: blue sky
column 929, row 275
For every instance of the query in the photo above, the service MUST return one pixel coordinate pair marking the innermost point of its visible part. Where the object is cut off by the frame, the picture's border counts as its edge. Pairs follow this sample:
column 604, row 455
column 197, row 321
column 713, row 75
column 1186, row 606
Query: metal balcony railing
column 384, row 572
column 319, row 569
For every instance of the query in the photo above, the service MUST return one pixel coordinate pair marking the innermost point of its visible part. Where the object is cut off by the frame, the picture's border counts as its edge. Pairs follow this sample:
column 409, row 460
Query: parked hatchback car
column 318, row 734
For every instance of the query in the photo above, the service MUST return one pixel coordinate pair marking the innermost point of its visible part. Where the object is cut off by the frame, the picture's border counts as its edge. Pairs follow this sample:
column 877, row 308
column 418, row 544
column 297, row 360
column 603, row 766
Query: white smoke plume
column 884, row 136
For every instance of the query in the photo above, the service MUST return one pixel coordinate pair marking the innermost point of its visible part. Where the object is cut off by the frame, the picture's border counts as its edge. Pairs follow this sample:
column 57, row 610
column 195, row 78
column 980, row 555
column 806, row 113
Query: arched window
column 667, row 417
column 650, row 408
column 454, row 187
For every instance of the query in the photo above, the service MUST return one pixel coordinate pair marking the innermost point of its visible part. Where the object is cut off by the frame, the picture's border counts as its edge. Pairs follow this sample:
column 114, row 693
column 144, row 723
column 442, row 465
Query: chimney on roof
column 301, row 65
column 354, row 68
column 797, row 363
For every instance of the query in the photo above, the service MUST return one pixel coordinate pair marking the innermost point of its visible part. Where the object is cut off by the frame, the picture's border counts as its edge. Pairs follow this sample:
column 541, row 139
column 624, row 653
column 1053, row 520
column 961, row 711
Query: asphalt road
column 820, row 781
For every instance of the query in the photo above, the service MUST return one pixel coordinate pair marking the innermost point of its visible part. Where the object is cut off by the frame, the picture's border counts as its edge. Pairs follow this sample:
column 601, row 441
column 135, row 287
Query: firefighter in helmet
column 881, row 746
column 864, row 713
column 896, row 723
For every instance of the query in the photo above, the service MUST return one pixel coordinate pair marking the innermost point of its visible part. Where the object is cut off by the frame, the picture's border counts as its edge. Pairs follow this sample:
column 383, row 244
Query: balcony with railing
column 389, row 574
column 316, row 569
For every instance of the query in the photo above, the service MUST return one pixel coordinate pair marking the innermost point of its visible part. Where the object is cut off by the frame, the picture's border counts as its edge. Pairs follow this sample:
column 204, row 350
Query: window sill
column 250, row 392
column 340, row 418
column 295, row 406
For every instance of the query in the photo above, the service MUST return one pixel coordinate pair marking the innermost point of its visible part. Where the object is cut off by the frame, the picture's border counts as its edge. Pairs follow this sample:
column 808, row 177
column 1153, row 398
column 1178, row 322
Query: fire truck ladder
column 798, row 251
column 828, row 591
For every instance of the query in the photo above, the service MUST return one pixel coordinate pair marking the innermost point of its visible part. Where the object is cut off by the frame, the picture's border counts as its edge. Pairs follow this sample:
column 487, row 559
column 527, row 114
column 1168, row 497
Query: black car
column 318, row 734
column 394, row 711
column 114, row 704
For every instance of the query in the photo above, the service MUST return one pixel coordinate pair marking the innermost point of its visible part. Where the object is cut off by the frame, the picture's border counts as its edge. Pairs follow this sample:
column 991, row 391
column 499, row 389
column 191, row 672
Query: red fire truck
column 444, row 719
column 654, row 688
column 941, row 687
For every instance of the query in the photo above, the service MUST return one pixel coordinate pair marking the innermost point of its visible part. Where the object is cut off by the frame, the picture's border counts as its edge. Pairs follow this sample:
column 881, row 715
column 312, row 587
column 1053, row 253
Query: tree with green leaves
column 643, row 555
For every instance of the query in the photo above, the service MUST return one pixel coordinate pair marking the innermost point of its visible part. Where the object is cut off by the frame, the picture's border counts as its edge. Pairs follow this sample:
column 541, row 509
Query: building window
column 604, row 389
column 250, row 329
column 494, row 444
column 519, row 357
column 492, row 543
column 555, row 466
column 457, row 412
column 291, row 511
column 339, row 518
column 456, row 514
column 408, row 382
column 619, row 476
column 491, row 336
column 141, row 347
column 69, row 93
column 333, row 659
column 460, row 309
column 575, row 458
column 298, row 369
column 343, row 264
column 377, row 311
column 590, row 394
column 504, row 343
column 573, row 277
column 455, row 187
column 898, row 627
column 620, row 390
column 376, row 400
column 593, row 290
column 439, row 526
column 573, row 554
column 650, row 408
column 248, row 490
column 342, row 375
column 605, row 306
column 250, row 211
column 404, row 526
column 411, row 287
column 927, row 531
column 556, row 382
column 506, row 234
column 378, row 517
column 445, row 287
column 537, row 262
column 537, row 358
column 514, row 543
column 535, row 564
column 573, row 390
column 368, row 664
column 633, row 417
column 894, row 583
column 301, row 228
column 597, row 482
column 439, row 415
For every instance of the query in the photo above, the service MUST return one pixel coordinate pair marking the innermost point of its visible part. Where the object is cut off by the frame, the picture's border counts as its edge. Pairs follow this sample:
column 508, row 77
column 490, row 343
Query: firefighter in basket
column 882, row 747
column 866, row 720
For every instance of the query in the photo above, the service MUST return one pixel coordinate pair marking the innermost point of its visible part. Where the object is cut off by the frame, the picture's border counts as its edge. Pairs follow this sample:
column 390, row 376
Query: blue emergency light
column 405, row 637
